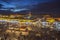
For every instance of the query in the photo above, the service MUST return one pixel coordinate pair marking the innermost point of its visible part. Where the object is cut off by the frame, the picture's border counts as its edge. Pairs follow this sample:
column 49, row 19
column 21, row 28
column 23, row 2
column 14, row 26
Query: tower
column 29, row 15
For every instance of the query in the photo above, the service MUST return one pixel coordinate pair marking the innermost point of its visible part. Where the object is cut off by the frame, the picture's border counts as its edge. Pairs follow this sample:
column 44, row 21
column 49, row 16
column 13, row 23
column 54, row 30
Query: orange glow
column 51, row 20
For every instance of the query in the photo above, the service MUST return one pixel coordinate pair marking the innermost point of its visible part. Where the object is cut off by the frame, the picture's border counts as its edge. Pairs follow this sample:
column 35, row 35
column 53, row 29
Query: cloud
column 1, row 5
column 17, row 10
column 3, row 9
column 20, row 5
column 53, row 7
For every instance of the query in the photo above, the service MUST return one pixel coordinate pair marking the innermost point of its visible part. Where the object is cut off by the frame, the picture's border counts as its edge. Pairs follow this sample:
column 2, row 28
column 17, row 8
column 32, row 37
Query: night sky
column 36, row 6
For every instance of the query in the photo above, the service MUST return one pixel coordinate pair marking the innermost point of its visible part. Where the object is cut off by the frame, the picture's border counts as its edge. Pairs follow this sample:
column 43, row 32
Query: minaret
column 29, row 15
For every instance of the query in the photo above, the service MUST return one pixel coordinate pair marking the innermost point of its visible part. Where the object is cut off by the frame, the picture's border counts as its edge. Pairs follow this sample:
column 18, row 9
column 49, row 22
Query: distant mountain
column 5, row 12
column 10, row 12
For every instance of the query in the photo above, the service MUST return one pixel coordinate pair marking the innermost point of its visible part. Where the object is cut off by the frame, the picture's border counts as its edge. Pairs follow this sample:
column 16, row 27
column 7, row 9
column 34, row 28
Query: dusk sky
column 31, row 5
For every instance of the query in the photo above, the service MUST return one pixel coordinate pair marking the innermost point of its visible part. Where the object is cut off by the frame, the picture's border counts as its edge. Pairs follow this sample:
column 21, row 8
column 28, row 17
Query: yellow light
column 29, row 28
column 50, row 20
column 21, row 29
column 25, row 20
column 25, row 33
column 8, row 31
